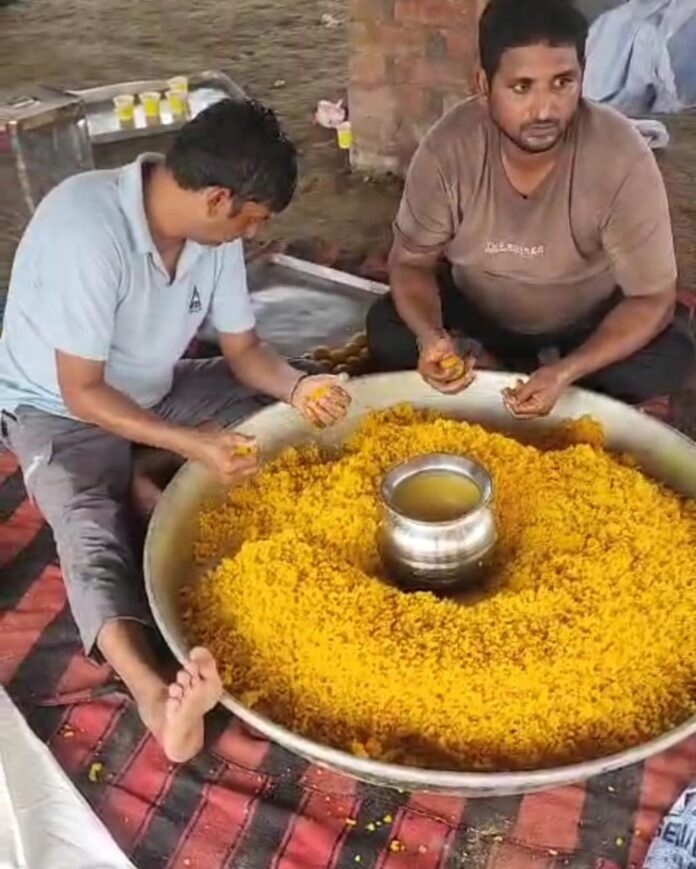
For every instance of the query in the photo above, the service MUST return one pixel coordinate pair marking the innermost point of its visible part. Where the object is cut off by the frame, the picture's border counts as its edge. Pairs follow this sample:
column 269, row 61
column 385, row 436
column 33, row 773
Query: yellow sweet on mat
column 583, row 644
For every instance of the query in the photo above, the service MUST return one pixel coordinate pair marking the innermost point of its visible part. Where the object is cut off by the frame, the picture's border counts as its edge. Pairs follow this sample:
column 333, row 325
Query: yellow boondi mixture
column 584, row 644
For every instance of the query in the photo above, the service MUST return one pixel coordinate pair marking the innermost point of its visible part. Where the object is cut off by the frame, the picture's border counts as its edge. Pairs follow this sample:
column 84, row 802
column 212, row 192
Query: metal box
column 43, row 139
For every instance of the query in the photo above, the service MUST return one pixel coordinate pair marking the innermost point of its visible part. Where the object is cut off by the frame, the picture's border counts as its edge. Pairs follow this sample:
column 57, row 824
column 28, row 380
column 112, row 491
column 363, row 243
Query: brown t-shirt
column 535, row 264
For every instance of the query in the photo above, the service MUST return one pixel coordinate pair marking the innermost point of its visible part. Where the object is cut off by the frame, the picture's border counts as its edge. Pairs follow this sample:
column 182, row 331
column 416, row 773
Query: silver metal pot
column 437, row 556
column 169, row 564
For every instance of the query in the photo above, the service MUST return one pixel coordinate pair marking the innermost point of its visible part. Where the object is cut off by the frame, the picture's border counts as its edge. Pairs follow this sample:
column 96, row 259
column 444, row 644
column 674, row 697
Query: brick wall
column 409, row 61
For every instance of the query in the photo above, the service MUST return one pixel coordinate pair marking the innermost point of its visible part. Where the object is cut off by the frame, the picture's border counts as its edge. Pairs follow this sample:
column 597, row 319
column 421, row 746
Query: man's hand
column 321, row 399
column 441, row 367
column 538, row 395
column 231, row 457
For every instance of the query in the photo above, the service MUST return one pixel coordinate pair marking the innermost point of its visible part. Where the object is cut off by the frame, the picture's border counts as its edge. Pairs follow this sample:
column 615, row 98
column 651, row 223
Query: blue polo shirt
column 88, row 280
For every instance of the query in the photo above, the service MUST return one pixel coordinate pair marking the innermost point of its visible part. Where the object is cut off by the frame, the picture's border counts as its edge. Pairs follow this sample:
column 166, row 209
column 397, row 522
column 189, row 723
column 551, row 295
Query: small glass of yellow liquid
column 178, row 103
column 178, row 84
column 344, row 133
column 124, row 107
column 150, row 101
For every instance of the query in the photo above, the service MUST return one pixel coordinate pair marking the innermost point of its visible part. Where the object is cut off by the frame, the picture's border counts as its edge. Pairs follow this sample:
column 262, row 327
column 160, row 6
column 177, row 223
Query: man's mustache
column 541, row 126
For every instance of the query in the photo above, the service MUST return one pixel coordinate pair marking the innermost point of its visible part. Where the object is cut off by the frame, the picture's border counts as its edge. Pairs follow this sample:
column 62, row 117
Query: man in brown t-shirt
column 536, row 224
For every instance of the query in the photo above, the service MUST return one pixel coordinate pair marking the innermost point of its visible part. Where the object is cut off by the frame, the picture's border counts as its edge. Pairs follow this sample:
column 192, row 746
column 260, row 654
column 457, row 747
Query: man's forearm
column 417, row 298
column 111, row 410
column 263, row 370
column 632, row 324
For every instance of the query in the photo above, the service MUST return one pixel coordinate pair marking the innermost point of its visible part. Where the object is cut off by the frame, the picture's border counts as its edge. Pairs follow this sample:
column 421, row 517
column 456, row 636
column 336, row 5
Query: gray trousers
column 80, row 478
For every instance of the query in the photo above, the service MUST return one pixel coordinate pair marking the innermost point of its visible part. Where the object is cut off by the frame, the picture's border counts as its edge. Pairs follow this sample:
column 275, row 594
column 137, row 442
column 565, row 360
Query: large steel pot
column 663, row 452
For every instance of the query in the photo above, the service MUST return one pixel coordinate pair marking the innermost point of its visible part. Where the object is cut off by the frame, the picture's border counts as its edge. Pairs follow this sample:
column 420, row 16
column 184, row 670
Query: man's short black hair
column 238, row 145
column 517, row 23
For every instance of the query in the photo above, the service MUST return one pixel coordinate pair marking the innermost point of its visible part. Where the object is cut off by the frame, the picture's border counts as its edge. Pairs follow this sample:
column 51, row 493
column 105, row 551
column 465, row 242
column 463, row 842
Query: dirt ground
column 260, row 44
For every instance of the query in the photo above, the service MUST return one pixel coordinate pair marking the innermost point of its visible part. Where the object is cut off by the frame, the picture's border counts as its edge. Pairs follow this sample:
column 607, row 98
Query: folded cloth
column 640, row 57
column 654, row 132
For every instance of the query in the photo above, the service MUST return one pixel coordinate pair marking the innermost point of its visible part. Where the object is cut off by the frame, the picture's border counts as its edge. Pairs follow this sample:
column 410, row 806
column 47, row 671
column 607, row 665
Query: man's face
column 534, row 95
column 220, row 219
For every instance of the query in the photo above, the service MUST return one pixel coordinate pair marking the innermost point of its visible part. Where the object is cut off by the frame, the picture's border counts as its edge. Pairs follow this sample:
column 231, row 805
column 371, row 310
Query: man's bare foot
column 172, row 713
column 145, row 494
column 196, row 691
column 175, row 714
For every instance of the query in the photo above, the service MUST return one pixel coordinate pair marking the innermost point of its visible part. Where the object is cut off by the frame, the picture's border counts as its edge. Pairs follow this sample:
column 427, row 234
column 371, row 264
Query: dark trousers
column 657, row 369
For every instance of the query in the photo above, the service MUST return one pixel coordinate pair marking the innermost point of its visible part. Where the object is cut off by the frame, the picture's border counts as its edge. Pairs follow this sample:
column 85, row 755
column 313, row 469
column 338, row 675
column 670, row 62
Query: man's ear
column 218, row 200
column 482, row 83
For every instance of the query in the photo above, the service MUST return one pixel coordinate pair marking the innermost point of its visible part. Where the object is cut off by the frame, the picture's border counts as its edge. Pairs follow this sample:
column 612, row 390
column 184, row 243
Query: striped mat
column 245, row 803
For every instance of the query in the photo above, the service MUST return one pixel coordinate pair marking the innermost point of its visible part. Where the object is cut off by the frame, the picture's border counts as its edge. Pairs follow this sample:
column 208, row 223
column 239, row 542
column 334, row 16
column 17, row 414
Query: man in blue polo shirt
column 115, row 274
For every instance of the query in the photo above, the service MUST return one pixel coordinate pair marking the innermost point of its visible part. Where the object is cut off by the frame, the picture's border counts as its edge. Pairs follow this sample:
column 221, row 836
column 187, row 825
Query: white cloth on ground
column 44, row 821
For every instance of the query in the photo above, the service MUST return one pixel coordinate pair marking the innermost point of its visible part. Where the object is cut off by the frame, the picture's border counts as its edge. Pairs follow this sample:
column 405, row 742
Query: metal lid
column 37, row 106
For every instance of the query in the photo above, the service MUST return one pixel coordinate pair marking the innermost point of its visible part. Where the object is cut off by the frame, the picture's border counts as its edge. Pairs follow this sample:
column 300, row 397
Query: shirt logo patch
column 497, row 247
column 195, row 305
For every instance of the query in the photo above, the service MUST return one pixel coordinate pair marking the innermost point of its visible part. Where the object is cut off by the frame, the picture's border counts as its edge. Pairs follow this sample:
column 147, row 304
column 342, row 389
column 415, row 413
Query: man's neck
column 159, row 190
column 526, row 171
